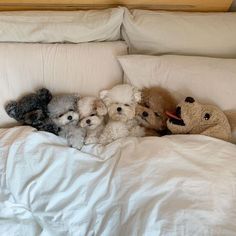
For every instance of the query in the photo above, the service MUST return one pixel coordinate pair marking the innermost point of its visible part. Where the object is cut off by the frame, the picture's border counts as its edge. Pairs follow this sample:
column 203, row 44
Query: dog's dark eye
column 127, row 105
column 92, row 114
column 147, row 106
column 60, row 115
column 71, row 109
column 157, row 114
column 207, row 116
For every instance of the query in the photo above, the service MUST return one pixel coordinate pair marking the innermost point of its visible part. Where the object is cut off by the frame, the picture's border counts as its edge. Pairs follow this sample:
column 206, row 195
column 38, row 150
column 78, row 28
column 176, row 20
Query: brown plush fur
column 231, row 115
column 195, row 118
column 150, row 112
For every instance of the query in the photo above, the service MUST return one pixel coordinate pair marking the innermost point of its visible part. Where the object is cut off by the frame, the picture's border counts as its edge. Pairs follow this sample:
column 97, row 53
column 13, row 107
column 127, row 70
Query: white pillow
column 203, row 34
column 63, row 68
column 209, row 80
column 61, row 26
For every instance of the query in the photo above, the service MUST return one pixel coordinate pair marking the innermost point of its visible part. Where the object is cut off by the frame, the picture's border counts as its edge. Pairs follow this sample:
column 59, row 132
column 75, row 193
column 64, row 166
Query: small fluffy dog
column 63, row 111
column 31, row 109
column 150, row 111
column 92, row 113
column 121, row 102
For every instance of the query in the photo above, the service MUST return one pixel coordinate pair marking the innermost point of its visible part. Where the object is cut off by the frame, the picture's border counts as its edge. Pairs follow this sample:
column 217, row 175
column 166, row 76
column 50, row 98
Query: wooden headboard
column 177, row 5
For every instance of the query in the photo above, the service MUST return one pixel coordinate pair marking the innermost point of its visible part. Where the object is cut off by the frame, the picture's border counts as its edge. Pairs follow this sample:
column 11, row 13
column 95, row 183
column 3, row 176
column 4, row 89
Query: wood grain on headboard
column 181, row 5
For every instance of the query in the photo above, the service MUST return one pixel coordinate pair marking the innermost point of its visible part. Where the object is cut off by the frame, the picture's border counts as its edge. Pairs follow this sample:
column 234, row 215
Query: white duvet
column 174, row 185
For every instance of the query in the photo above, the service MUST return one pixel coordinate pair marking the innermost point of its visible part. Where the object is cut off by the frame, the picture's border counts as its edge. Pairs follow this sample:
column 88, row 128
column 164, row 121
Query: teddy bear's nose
column 145, row 114
column 88, row 121
column 119, row 109
column 189, row 100
column 69, row 117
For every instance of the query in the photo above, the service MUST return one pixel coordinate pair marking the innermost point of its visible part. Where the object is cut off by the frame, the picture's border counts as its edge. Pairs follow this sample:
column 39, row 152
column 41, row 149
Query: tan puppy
column 151, row 109
column 92, row 113
column 194, row 118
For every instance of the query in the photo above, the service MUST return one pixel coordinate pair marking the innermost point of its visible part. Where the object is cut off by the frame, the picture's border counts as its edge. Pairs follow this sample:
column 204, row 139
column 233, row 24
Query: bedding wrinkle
column 171, row 185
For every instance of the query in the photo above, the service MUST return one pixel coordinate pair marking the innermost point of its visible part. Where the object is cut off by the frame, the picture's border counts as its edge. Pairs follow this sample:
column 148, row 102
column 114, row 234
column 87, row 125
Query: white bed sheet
column 174, row 185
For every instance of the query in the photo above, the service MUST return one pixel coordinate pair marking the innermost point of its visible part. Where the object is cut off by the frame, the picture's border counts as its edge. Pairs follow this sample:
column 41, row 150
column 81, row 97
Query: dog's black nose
column 69, row 117
column 145, row 114
column 178, row 111
column 119, row 109
column 189, row 100
column 88, row 121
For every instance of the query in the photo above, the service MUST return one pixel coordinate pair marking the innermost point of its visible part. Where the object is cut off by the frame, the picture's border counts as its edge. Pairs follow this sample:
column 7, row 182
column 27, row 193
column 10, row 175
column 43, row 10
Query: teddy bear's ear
column 137, row 94
column 44, row 95
column 231, row 115
column 12, row 109
column 100, row 107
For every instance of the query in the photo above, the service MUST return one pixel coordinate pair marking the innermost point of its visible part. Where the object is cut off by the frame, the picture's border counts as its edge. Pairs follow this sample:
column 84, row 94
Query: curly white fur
column 92, row 113
column 121, row 102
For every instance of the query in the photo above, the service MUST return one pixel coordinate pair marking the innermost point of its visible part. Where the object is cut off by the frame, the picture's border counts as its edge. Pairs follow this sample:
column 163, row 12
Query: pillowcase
column 61, row 26
column 209, row 80
column 202, row 34
column 63, row 68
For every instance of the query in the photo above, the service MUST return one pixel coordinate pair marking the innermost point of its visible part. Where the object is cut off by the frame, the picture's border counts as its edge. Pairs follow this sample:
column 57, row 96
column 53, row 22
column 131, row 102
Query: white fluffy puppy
column 121, row 102
column 63, row 111
column 92, row 112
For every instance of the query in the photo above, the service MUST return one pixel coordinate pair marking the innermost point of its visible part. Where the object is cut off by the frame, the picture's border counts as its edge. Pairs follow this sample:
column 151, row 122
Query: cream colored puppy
column 121, row 102
column 92, row 113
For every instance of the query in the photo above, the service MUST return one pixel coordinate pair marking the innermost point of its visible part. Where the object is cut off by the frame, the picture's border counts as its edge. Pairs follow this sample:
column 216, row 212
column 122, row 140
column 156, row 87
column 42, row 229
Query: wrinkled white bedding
column 174, row 185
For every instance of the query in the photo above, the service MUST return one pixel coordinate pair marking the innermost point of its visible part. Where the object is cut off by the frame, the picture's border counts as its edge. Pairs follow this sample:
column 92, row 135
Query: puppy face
column 63, row 110
column 121, row 102
column 151, row 109
column 192, row 117
column 92, row 111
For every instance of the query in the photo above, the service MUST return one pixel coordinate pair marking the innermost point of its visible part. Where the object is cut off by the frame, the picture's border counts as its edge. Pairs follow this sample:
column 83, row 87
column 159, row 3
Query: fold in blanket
column 171, row 185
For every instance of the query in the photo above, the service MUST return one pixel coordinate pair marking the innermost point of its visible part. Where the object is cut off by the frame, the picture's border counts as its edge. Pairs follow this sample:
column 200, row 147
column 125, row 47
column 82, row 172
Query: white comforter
column 174, row 185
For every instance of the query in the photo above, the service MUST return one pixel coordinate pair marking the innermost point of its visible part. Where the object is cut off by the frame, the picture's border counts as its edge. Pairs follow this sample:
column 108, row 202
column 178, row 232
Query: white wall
column 233, row 6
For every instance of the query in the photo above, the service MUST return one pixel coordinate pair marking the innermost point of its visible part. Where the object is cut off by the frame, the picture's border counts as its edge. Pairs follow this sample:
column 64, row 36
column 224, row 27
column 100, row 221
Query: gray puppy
column 63, row 111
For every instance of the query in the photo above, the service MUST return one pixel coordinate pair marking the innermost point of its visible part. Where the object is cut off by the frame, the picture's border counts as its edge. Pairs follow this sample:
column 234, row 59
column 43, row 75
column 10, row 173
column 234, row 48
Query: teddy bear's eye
column 157, row 114
column 127, row 105
column 60, row 115
column 147, row 106
column 92, row 114
column 207, row 116
column 71, row 109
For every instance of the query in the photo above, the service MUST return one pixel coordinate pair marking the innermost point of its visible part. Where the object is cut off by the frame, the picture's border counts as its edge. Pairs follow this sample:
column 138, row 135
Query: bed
column 170, row 185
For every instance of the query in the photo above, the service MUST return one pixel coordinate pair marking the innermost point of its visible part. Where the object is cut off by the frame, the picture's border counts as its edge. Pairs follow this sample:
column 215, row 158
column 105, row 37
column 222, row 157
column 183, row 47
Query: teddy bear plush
column 31, row 110
column 193, row 117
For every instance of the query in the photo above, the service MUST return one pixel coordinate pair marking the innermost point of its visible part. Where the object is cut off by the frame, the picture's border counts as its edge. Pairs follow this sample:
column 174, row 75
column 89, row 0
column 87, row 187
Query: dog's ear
column 100, row 107
column 12, row 110
column 104, row 96
column 137, row 94
column 44, row 95
column 76, row 98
